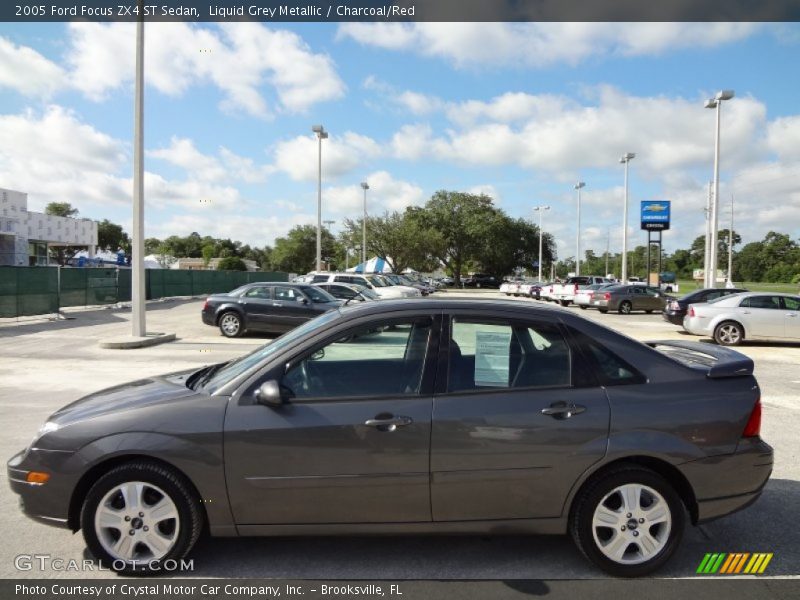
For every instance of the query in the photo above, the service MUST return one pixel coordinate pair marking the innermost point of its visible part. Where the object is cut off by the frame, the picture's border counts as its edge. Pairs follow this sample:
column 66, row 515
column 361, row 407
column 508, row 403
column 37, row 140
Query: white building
column 25, row 235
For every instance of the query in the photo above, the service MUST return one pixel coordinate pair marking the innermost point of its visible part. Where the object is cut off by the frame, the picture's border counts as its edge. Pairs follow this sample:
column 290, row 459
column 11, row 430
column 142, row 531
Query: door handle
column 388, row 423
column 562, row 410
column 792, row 315
column 277, row 304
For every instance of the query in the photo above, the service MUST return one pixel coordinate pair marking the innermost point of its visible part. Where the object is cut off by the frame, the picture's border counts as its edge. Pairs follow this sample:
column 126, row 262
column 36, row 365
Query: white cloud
column 340, row 154
column 28, row 72
column 241, row 59
column 385, row 194
column 783, row 137
column 540, row 44
column 229, row 166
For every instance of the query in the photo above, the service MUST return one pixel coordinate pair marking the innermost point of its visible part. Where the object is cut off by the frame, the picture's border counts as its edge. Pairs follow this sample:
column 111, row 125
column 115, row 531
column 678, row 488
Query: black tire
column 189, row 524
column 625, row 307
column 582, row 306
column 729, row 333
column 603, row 310
column 226, row 323
column 601, row 487
column 564, row 302
column 649, row 311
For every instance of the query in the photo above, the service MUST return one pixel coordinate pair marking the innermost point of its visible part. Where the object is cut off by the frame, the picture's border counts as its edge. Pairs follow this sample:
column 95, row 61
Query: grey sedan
column 730, row 320
column 627, row 298
column 457, row 416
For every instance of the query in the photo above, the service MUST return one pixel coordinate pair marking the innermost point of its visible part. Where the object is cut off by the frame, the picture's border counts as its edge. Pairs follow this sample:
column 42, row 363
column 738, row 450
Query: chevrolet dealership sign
column 655, row 214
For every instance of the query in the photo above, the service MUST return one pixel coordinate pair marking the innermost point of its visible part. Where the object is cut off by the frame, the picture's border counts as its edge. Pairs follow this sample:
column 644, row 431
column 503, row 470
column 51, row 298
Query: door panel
column 318, row 462
column 763, row 317
column 352, row 444
column 791, row 318
column 494, row 453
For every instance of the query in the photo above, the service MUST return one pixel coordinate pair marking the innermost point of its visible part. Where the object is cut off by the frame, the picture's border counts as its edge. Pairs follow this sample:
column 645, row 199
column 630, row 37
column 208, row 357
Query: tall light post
column 716, row 103
column 578, row 187
column 540, row 210
column 137, row 243
column 730, row 249
column 626, row 159
column 321, row 135
column 365, row 187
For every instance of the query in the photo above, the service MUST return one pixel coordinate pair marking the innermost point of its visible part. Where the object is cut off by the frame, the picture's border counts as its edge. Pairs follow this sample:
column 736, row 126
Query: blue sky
column 520, row 112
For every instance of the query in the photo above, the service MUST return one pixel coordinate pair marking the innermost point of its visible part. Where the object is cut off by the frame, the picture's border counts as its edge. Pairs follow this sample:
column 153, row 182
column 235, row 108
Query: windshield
column 244, row 363
column 318, row 295
column 367, row 293
column 376, row 281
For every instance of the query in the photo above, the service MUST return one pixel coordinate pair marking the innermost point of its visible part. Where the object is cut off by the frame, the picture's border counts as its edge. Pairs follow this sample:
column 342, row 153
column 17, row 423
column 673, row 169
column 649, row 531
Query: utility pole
column 730, row 248
column 608, row 242
column 137, row 242
column 707, row 252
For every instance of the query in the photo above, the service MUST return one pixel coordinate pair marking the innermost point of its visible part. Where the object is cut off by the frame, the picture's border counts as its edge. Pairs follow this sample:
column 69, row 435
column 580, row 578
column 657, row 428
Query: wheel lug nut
column 132, row 531
column 141, row 514
column 641, row 520
column 127, row 518
column 629, row 515
column 635, row 534
column 623, row 528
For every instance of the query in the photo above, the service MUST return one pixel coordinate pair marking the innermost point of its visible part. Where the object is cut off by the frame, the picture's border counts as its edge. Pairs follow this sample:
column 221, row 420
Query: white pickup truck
column 564, row 293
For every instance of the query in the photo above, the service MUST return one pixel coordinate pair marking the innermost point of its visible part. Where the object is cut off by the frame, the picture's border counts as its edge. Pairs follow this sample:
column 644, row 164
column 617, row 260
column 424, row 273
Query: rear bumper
column 726, row 484
column 696, row 325
column 673, row 317
column 208, row 318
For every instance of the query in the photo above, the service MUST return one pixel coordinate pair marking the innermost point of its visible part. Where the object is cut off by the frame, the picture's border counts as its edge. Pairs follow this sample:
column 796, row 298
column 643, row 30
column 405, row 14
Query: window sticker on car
column 492, row 354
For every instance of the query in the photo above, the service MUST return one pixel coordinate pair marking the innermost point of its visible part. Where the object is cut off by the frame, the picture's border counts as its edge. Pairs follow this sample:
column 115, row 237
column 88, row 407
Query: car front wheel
column 728, row 334
column 629, row 522
column 139, row 515
column 230, row 324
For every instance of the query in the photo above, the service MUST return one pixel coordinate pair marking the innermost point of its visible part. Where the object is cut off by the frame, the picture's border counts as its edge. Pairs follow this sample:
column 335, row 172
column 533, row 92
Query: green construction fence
column 28, row 291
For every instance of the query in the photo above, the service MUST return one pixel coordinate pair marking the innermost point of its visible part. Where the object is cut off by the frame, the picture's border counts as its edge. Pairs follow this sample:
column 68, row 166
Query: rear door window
column 762, row 302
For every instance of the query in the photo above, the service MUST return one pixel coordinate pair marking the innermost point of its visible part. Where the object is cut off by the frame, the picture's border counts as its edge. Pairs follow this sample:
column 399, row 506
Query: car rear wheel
column 649, row 311
column 729, row 334
column 603, row 310
column 629, row 522
column 625, row 307
column 582, row 306
column 230, row 324
column 564, row 302
column 139, row 515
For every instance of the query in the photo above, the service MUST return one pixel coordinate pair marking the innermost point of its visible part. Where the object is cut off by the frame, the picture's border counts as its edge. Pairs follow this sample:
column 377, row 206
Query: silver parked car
column 439, row 416
column 627, row 298
column 733, row 319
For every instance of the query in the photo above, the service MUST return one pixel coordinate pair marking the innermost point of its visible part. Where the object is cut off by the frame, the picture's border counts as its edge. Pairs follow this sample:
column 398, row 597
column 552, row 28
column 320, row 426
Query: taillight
column 607, row 296
column 205, row 304
column 674, row 305
column 691, row 311
column 753, row 427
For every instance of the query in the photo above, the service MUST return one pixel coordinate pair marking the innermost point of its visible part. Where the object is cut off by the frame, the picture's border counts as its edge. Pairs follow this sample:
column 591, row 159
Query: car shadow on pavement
column 769, row 525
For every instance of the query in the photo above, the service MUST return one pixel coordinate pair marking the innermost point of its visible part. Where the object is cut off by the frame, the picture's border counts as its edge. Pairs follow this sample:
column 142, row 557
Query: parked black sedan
column 676, row 309
column 455, row 416
column 269, row 307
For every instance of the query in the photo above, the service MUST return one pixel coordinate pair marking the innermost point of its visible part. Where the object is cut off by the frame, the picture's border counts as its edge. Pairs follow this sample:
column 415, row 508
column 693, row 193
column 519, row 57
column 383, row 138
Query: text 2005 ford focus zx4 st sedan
column 449, row 417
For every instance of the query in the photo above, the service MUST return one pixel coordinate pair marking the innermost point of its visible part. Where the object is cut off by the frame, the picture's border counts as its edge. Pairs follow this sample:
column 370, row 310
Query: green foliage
column 297, row 252
column 110, row 236
column 61, row 209
column 209, row 251
column 231, row 263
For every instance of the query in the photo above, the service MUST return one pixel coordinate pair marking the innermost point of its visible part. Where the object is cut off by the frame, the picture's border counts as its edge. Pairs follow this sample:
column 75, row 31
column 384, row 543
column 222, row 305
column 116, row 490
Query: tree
column 231, row 263
column 208, row 253
column 296, row 253
column 462, row 222
column 110, row 236
column 61, row 209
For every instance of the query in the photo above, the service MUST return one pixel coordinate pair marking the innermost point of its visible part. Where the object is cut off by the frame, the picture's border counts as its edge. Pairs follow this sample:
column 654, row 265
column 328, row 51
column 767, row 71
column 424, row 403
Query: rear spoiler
column 719, row 360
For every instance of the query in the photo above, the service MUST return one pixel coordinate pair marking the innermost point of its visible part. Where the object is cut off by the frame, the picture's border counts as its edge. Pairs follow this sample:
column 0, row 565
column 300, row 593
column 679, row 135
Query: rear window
column 608, row 366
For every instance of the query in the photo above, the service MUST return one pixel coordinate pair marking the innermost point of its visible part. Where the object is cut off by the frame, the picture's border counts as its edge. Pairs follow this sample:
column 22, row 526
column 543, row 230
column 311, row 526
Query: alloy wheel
column 137, row 522
column 729, row 334
column 631, row 524
column 230, row 324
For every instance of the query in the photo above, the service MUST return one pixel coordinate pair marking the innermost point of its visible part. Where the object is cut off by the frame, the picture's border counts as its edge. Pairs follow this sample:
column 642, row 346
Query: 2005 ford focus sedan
column 452, row 416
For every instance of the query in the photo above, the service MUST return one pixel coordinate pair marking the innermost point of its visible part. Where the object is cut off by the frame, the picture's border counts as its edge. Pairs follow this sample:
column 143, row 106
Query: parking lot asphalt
column 46, row 364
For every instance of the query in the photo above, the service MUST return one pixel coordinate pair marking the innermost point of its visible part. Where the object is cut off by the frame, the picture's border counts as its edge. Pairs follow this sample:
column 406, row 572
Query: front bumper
column 726, row 484
column 48, row 502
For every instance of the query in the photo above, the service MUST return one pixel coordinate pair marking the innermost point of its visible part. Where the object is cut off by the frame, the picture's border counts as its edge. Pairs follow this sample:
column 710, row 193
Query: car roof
column 392, row 304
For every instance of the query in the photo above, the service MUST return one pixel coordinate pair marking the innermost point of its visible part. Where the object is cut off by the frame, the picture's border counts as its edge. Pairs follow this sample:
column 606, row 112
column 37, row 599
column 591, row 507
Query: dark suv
column 481, row 280
column 676, row 309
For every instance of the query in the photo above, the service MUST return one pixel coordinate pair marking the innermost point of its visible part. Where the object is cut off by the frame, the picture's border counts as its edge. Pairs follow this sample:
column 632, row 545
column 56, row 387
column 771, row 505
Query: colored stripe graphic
column 734, row 563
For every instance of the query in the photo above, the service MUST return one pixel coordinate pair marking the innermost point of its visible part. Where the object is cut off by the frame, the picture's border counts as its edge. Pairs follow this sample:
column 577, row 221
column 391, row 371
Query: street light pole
column 365, row 187
column 137, row 243
column 730, row 248
column 540, row 210
column 716, row 103
column 328, row 226
column 578, row 187
column 321, row 135
column 626, row 159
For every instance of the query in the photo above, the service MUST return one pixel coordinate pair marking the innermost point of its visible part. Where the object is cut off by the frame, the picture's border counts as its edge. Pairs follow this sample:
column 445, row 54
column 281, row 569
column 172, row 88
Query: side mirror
column 269, row 394
column 304, row 300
